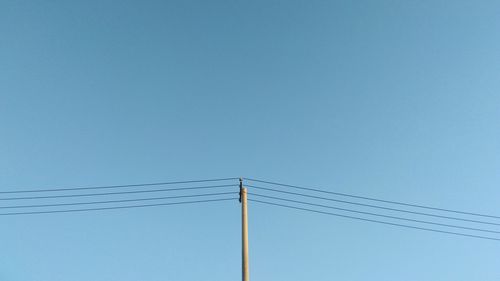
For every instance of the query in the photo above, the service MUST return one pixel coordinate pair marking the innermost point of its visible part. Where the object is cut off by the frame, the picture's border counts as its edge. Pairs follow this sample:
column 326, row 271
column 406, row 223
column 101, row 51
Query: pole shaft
column 244, row 232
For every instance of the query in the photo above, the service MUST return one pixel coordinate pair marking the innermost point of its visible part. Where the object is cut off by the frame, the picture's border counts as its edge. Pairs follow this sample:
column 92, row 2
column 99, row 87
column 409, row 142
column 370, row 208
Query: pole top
column 241, row 188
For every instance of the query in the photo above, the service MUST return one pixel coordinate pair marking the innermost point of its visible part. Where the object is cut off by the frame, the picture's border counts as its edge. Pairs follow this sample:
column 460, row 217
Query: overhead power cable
column 373, row 199
column 116, row 186
column 116, row 201
column 371, row 206
column 116, row 207
column 117, row 192
column 374, row 214
column 375, row 221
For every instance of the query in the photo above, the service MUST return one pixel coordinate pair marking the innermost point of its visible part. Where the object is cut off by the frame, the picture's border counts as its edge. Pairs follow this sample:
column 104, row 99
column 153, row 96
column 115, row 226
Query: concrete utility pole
column 244, row 232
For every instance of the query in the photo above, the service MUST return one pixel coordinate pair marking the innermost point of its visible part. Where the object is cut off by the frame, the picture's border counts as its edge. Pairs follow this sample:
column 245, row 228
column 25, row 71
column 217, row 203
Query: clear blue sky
column 391, row 99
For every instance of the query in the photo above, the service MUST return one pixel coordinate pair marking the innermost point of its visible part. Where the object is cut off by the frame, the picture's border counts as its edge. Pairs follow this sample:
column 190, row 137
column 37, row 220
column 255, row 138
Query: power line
column 374, row 199
column 117, row 193
column 375, row 221
column 116, row 201
column 115, row 186
column 373, row 206
column 116, row 207
column 374, row 214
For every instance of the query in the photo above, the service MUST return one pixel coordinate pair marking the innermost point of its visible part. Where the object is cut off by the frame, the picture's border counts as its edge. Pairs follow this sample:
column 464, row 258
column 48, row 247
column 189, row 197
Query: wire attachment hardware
column 241, row 188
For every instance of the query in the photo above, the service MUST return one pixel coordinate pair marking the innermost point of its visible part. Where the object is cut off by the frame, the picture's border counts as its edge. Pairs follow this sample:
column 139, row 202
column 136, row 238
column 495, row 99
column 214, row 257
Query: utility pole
column 244, row 232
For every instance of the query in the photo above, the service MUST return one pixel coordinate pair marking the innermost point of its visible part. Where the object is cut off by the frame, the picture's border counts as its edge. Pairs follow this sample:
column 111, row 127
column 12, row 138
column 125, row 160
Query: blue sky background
column 391, row 99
